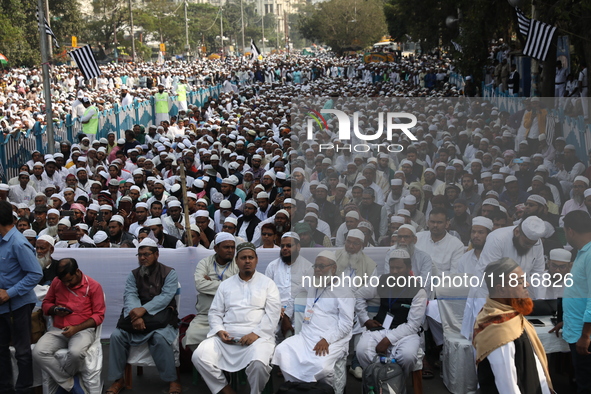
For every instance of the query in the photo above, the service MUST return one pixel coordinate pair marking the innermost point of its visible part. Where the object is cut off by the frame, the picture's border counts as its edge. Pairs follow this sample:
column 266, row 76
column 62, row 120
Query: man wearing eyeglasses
column 310, row 355
column 149, row 315
column 559, row 264
column 209, row 274
column 77, row 304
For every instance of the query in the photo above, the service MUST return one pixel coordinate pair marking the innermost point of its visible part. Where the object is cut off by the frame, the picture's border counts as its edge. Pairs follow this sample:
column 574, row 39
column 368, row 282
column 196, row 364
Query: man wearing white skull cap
column 521, row 243
column 311, row 355
column 288, row 272
column 209, row 274
column 481, row 228
column 559, row 264
column 401, row 313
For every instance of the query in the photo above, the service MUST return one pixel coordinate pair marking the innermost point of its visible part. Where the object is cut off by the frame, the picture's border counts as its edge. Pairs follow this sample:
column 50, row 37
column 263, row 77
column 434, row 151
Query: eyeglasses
column 144, row 255
column 322, row 266
column 227, row 227
column 267, row 234
column 559, row 267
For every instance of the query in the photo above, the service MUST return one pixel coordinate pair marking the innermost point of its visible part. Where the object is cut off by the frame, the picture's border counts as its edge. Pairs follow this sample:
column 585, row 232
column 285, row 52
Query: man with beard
column 44, row 248
column 575, row 303
column 351, row 261
column 461, row 222
column 245, row 311
column 282, row 224
column 209, row 274
column 450, row 179
column 470, row 193
column 40, row 222
column 370, row 210
column 522, row 244
column 444, row 248
column 577, row 203
column 247, row 224
column 77, row 304
column 512, row 195
column 311, row 355
column 164, row 240
column 265, row 210
column 509, row 355
column 149, row 291
column 141, row 215
column 536, row 205
column 559, row 268
column 301, row 185
column 407, row 304
column 351, row 221
column 268, row 182
column 53, row 217
column 116, row 232
column 467, row 264
column 174, row 224
column 228, row 188
column 256, row 169
column 570, row 169
column 287, row 272
column 422, row 264
column 357, row 192
column 431, row 177
column 161, row 105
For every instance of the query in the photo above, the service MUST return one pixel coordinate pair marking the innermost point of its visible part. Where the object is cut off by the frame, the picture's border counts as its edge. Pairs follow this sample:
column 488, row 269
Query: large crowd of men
column 477, row 191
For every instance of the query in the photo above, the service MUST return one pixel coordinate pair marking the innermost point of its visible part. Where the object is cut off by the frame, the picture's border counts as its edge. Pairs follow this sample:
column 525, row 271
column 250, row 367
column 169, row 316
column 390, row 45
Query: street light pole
column 263, row 21
column 222, row 29
column 132, row 35
column 187, row 46
column 242, row 18
column 48, row 17
column 46, row 80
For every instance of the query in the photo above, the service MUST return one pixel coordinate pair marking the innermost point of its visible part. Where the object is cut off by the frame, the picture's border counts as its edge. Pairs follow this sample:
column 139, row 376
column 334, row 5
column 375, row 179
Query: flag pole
column 46, row 80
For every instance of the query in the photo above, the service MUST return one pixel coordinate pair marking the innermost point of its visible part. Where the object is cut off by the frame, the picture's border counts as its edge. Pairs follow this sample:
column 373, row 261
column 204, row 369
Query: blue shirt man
column 19, row 274
column 576, row 302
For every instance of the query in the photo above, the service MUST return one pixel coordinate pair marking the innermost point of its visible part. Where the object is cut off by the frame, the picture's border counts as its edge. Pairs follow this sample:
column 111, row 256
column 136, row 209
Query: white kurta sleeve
column 268, row 324
column 502, row 364
column 416, row 316
column 346, row 307
column 217, row 312
column 362, row 295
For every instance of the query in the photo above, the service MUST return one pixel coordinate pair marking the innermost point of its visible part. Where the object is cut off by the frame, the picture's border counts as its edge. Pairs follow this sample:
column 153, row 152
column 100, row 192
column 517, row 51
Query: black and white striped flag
column 48, row 30
column 86, row 62
column 539, row 36
column 457, row 46
column 255, row 51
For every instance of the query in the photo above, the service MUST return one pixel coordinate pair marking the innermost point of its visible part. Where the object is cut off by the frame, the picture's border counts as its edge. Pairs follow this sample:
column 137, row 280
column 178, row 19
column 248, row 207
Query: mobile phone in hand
column 62, row 309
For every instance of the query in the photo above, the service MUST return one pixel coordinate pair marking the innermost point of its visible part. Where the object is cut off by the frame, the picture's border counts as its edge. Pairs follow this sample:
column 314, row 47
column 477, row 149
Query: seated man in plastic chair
column 77, row 304
column 243, row 317
column 149, row 315
column 311, row 355
column 395, row 331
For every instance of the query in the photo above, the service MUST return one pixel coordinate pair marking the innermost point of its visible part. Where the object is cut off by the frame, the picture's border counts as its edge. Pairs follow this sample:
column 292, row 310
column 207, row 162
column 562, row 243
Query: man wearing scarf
column 509, row 355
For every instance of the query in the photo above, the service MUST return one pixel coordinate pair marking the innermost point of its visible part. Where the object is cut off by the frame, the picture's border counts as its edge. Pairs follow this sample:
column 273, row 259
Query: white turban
column 533, row 228
column 356, row 234
column 47, row 238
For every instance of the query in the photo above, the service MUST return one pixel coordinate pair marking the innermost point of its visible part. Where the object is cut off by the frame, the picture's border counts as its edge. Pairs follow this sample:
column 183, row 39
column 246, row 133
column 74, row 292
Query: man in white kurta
column 401, row 315
column 522, row 244
column 444, row 248
column 288, row 272
column 242, row 320
column 310, row 355
column 209, row 274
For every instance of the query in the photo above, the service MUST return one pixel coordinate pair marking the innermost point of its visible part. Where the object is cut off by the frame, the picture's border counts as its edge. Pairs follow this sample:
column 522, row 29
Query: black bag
column 162, row 319
column 300, row 388
column 384, row 378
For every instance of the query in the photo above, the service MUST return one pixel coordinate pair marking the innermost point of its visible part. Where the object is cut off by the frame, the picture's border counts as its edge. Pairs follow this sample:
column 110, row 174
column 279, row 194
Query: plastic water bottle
column 387, row 360
column 371, row 391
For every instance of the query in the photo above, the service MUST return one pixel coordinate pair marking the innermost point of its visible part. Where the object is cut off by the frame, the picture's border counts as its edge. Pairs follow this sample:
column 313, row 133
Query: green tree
column 345, row 24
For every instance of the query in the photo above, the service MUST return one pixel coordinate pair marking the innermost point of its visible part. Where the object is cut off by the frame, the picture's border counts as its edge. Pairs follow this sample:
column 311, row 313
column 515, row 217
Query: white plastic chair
column 90, row 373
column 458, row 365
column 140, row 356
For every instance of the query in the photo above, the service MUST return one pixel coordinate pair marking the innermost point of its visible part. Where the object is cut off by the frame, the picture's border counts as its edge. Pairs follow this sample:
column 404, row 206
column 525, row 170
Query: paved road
column 150, row 382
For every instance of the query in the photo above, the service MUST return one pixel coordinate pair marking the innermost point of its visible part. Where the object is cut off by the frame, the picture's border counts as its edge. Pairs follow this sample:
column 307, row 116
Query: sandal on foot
column 115, row 388
column 175, row 388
